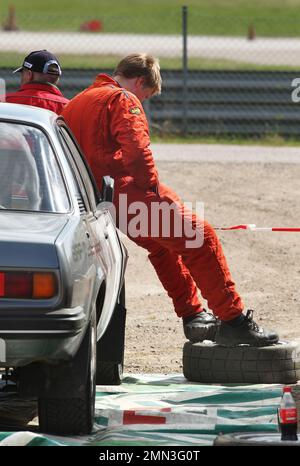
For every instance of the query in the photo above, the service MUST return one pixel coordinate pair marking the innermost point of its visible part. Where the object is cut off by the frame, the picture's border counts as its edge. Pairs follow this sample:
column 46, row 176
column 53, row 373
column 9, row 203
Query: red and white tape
column 252, row 227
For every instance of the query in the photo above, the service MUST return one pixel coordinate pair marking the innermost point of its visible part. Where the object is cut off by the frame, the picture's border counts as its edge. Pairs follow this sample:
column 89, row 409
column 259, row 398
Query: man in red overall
column 40, row 74
column 110, row 125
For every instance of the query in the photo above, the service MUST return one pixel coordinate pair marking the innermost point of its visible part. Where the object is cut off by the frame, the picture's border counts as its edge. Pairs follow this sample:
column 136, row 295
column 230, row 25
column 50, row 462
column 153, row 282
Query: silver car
column 61, row 271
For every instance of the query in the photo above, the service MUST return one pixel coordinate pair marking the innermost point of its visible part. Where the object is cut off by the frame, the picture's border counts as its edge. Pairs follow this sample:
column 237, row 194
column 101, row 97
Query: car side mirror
column 107, row 192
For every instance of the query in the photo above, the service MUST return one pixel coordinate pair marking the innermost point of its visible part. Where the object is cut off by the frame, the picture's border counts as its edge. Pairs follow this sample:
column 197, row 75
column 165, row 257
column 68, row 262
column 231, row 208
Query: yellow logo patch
column 135, row 110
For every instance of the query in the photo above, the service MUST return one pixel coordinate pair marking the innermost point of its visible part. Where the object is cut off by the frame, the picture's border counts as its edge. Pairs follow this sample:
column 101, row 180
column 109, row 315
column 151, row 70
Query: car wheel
column 109, row 373
column 209, row 362
column 65, row 415
column 253, row 439
column 110, row 348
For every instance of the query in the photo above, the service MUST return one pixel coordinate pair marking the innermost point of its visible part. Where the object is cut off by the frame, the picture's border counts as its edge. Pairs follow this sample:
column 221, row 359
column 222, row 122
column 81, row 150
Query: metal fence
column 249, row 103
column 212, row 41
column 221, row 74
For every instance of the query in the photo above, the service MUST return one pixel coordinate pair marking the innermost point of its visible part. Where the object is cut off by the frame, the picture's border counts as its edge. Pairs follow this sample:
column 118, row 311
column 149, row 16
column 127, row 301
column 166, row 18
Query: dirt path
column 264, row 265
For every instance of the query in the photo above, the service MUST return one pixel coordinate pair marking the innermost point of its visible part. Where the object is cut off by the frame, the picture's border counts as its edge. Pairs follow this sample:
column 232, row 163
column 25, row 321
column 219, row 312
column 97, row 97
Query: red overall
column 41, row 95
column 111, row 127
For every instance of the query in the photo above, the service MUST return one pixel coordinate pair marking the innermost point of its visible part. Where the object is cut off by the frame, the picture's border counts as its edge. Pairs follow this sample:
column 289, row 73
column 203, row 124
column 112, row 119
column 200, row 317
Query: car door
column 104, row 236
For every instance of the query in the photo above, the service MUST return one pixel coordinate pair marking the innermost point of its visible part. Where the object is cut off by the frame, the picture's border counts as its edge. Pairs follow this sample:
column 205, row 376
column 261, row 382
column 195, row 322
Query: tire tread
column 213, row 363
column 64, row 416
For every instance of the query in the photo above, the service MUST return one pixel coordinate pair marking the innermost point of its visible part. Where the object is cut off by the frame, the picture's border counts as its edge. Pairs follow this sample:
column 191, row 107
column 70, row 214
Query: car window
column 78, row 186
column 84, row 174
column 30, row 176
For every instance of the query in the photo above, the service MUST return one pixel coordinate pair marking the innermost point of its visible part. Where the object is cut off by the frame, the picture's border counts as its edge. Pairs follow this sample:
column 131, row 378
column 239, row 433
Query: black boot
column 200, row 326
column 246, row 333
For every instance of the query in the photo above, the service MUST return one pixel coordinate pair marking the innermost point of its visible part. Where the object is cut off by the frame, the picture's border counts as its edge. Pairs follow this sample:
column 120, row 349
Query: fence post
column 184, row 70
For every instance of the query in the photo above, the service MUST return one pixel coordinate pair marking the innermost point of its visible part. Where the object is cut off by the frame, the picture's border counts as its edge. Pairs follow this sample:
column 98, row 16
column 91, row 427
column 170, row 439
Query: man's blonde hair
column 141, row 64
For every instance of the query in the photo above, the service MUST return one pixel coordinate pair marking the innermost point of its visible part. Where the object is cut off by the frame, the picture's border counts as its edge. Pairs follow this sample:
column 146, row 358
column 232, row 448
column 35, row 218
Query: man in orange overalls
column 110, row 125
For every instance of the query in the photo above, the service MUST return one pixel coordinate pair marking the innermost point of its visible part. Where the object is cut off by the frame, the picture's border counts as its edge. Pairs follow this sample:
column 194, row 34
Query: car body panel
column 81, row 246
column 28, row 240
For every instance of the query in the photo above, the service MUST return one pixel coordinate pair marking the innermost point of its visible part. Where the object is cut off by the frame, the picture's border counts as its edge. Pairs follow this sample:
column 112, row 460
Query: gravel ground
column 264, row 189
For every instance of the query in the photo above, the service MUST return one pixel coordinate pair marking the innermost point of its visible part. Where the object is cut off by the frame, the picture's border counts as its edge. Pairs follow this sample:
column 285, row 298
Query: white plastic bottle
column 287, row 415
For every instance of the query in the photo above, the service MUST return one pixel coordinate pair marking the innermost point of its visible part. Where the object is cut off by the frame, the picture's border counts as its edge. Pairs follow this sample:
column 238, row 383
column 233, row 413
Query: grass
column 209, row 17
column 274, row 140
column 12, row 60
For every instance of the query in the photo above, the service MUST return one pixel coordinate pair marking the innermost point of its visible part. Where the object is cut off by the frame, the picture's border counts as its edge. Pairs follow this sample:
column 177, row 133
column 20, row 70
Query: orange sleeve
column 129, row 128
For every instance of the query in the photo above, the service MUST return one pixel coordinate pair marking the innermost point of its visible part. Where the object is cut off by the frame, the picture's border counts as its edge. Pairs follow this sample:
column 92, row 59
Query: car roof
column 27, row 113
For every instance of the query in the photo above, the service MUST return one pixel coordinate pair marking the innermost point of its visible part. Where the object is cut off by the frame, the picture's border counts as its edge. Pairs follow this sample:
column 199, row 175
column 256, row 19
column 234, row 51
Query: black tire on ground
column 109, row 373
column 110, row 348
column 253, row 439
column 211, row 363
column 65, row 415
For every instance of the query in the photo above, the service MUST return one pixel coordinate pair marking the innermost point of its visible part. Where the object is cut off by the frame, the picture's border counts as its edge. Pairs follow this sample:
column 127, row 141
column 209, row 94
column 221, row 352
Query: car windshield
column 30, row 177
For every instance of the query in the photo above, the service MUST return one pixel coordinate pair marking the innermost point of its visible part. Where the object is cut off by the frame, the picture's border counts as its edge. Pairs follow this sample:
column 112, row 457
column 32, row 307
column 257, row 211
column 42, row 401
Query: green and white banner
column 167, row 410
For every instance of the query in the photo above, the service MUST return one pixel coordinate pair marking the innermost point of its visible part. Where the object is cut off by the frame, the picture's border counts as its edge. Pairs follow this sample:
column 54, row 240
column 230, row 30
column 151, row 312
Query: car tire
column 74, row 415
column 253, row 440
column 212, row 363
column 111, row 347
column 109, row 373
